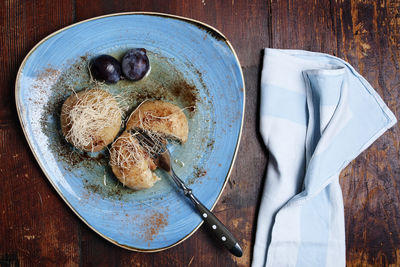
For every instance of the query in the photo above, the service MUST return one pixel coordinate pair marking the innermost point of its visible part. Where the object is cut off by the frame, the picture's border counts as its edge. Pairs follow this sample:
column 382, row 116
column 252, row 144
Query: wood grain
column 366, row 34
column 38, row 229
column 36, row 226
column 369, row 38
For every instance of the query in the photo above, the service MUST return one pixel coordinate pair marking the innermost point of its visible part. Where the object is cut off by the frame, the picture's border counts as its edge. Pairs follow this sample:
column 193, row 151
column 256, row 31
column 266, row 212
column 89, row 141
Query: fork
column 162, row 158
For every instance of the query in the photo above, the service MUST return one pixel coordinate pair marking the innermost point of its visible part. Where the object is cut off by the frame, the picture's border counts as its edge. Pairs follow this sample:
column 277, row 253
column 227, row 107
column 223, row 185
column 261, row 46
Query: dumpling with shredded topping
column 162, row 118
column 90, row 119
column 131, row 163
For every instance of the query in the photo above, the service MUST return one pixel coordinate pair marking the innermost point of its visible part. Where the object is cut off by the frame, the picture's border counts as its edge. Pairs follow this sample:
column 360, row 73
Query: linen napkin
column 317, row 114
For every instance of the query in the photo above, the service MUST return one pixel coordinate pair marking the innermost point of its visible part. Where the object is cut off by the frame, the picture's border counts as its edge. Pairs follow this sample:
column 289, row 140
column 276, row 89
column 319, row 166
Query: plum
column 106, row 68
column 135, row 64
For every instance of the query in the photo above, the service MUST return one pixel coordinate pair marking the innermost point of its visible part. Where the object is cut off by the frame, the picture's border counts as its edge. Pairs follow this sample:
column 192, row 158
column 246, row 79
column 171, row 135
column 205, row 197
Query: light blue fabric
column 317, row 114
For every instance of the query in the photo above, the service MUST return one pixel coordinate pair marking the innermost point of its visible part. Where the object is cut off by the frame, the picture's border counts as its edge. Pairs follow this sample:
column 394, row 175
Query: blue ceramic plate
column 192, row 65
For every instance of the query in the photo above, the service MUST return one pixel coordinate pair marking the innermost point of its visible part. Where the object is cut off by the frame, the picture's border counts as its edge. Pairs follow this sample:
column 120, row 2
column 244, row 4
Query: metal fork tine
column 146, row 141
column 144, row 137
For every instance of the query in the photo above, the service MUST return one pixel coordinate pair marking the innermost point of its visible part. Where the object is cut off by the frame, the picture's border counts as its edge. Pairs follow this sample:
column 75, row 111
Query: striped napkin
column 317, row 114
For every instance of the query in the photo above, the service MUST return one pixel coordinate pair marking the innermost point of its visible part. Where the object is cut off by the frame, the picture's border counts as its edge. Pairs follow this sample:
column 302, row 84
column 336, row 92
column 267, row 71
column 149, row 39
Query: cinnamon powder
column 153, row 224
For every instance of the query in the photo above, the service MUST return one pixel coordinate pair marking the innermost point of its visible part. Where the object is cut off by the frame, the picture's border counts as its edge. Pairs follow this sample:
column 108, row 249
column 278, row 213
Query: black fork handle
column 163, row 160
column 210, row 220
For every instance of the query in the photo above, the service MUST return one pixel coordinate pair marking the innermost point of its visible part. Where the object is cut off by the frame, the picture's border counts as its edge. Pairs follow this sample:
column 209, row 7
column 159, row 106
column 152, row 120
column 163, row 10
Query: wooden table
column 38, row 229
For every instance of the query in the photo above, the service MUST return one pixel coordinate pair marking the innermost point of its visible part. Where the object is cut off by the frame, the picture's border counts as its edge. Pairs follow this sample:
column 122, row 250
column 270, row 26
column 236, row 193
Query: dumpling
column 131, row 164
column 160, row 117
column 90, row 119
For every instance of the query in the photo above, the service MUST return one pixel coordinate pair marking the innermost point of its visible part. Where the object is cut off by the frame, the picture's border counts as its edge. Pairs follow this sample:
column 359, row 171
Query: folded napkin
column 317, row 114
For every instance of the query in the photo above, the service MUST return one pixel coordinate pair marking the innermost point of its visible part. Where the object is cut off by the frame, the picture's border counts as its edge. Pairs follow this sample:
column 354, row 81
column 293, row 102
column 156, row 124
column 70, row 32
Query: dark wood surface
column 38, row 229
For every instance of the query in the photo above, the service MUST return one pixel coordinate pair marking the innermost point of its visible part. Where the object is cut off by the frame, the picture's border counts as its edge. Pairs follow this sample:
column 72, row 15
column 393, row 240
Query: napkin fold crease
column 317, row 114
